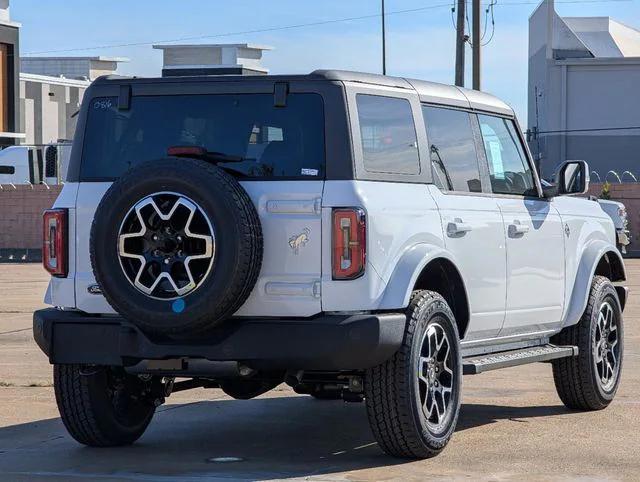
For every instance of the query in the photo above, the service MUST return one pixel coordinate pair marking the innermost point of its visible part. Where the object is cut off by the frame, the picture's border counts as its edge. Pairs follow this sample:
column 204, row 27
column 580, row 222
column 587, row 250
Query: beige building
column 51, row 90
column 48, row 105
column 82, row 68
column 9, row 85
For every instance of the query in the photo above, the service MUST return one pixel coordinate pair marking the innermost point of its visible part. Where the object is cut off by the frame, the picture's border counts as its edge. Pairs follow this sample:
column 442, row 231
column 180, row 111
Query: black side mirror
column 572, row 178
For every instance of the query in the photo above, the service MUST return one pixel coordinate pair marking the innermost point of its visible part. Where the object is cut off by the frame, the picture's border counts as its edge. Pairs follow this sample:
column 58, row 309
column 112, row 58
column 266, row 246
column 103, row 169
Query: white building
column 48, row 105
column 83, row 68
column 584, row 92
column 51, row 90
column 212, row 59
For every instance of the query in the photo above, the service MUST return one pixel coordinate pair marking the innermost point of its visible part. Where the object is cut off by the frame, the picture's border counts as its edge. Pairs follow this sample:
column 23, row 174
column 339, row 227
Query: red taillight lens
column 349, row 243
column 54, row 242
column 186, row 151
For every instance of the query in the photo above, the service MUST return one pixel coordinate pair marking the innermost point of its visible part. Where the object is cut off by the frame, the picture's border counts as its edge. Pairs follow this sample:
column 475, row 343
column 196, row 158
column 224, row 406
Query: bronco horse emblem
column 298, row 240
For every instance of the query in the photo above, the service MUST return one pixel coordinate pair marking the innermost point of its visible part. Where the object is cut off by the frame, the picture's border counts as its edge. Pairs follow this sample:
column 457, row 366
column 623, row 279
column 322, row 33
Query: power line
column 260, row 30
column 296, row 26
column 493, row 22
column 563, row 1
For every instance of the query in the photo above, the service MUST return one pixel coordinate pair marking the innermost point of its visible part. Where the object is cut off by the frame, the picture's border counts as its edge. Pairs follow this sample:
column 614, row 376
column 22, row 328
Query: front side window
column 388, row 134
column 509, row 169
column 264, row 141
column 454, row 162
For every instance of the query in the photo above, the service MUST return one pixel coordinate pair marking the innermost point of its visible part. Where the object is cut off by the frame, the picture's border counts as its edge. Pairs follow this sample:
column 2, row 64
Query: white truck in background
column 35, row 164
column 618, row 214
column 14, row 165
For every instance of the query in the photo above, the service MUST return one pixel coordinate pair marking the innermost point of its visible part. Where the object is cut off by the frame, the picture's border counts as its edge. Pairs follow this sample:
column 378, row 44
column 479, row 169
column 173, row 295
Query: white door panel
column 535, row 264
column 289, row 281
column 474, row 234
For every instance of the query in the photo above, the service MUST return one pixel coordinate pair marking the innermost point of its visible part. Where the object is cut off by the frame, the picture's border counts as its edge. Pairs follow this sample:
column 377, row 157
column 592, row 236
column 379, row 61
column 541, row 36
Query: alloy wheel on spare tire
column 176, row 246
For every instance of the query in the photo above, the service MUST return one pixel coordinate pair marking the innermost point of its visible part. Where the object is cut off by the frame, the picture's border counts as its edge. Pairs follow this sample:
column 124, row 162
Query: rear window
column 389, row 142
column 271, row 142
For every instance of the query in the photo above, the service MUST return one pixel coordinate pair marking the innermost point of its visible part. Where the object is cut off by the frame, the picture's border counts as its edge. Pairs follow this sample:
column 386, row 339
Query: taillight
column 54, row 242
column 186, row 151
column 349, row 243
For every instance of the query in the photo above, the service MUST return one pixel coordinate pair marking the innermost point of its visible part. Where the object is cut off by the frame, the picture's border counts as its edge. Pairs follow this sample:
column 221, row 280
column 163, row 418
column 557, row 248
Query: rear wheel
column 413, row 399
column 103, row 406
column 590, row 380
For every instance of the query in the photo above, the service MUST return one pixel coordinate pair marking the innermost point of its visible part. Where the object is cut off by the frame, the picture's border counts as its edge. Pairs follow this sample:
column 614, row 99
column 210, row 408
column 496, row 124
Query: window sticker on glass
column 496, row 159
column 102, row 104
column 308, row 172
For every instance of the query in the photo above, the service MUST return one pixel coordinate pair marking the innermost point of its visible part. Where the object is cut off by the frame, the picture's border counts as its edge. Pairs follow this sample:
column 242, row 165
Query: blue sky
column 419, row 44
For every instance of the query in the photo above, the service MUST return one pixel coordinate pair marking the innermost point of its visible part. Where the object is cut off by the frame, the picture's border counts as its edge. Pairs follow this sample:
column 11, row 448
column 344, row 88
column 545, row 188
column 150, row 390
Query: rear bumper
column 330, row 342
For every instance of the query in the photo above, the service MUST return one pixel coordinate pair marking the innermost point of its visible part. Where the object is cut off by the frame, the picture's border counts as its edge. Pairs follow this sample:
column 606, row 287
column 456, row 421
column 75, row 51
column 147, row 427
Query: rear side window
column 388, row 133
column 509, row 169
column 454, row 161
column 267, row 141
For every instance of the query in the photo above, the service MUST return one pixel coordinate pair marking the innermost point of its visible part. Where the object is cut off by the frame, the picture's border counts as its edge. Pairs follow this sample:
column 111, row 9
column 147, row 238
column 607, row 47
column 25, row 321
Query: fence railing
column 612, row 176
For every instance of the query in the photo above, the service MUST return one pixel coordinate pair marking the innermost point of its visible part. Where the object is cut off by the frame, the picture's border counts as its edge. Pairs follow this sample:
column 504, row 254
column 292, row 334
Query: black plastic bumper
column 322, row 343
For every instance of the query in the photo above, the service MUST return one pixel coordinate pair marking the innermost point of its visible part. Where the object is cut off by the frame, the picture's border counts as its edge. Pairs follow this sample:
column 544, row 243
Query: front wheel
column 590, row 380
column 413, row 399
column 103, row 406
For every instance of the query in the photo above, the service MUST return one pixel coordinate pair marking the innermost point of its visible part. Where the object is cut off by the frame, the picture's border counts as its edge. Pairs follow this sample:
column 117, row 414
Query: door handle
column 458, row 227
column 517, row 228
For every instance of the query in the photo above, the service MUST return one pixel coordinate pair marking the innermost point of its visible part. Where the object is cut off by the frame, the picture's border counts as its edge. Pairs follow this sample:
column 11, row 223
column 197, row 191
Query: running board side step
column 493, row 361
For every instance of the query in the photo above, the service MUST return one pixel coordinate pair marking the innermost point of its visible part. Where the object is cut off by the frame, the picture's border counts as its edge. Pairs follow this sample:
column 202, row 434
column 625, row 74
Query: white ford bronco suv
column 355, row 236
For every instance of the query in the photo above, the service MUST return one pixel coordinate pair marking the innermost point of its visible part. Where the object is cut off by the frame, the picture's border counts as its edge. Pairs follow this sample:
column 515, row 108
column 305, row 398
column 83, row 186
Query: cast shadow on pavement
column 279, row 437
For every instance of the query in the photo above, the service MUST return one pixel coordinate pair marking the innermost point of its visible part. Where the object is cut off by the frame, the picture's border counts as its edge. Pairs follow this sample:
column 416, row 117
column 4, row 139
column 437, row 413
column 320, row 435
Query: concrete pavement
column 512, row 424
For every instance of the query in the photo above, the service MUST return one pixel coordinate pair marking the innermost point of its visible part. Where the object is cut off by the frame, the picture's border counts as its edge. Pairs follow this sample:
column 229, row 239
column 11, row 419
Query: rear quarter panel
column 61, row 291
column 399, row 217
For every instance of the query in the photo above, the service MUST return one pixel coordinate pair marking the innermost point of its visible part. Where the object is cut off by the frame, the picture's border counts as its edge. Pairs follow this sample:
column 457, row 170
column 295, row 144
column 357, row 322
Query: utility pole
column 476, row 44
column 460, row 41
column 384, row 47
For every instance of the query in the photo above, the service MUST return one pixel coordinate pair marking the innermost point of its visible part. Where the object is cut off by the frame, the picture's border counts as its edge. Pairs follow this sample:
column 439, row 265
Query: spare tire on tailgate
column 176, row 246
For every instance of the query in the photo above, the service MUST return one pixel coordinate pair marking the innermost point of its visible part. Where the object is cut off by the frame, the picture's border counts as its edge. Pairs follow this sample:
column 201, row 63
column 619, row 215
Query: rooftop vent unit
column 212, row 59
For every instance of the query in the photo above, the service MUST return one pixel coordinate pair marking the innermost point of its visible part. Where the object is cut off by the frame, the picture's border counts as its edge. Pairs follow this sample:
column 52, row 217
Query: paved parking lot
column 512, row 424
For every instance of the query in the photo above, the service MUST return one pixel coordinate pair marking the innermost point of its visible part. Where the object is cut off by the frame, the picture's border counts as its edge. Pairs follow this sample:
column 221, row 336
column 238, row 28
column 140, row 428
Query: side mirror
column 572, row 178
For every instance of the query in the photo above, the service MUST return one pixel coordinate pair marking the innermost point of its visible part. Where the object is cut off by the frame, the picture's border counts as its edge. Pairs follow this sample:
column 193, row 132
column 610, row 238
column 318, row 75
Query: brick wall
column 629, row 195
column 21, row 218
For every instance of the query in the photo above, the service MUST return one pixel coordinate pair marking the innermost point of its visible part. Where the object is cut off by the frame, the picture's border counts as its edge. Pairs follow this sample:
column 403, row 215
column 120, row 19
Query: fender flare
column 591, row 256
column 406, row 273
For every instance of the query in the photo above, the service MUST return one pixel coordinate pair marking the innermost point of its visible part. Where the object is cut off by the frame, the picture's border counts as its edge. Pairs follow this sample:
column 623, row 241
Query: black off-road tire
column 576, row 379
column 238, row 247
column 89, row 414
column 391, row 393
